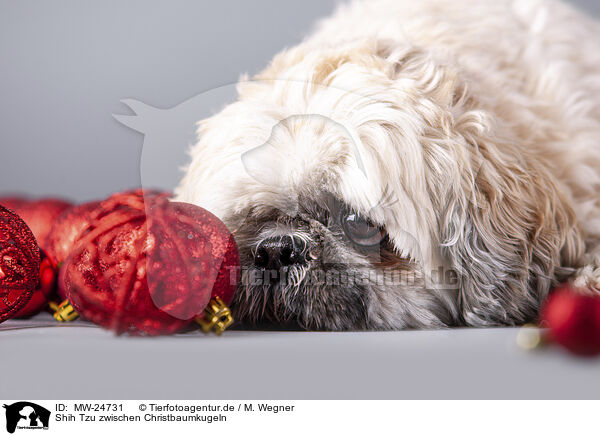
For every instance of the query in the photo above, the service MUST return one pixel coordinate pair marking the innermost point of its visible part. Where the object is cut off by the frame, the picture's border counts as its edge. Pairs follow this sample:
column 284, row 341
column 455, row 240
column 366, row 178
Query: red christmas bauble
column 65, row 230
column 19, row 264
column 43, row 292
column 216, row 246
column 573, row 319
column 144, row 265
column 12, row 203
column 39, row 215
column 63, row 236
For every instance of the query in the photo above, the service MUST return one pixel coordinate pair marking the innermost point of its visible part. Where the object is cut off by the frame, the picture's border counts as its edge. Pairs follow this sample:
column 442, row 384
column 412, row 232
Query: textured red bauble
column 19, row 264
column 39, row 215
column 63, row 236
column 573, row 319
column 144, row 265
column 66, row 229
column 220, row 252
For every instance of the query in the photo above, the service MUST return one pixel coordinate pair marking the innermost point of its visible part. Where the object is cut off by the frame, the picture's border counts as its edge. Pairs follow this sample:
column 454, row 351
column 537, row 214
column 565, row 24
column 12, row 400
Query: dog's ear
column 505, row 227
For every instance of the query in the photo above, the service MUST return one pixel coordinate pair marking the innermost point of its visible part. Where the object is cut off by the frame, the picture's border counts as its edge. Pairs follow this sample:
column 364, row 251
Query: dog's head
column 368, row 189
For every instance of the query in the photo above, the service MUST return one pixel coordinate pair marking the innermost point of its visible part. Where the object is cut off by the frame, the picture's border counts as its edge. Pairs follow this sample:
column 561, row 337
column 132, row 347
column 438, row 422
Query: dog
column 412, row 165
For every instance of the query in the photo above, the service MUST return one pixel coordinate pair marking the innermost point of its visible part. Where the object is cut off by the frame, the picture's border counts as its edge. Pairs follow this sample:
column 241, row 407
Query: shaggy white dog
column 452, row 144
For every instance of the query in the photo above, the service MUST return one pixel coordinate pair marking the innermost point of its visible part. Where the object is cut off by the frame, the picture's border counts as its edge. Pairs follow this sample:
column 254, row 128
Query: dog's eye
column 361, row 231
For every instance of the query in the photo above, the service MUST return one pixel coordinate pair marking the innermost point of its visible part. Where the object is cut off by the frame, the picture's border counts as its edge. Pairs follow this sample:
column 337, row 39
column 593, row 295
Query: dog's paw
column 587, row 279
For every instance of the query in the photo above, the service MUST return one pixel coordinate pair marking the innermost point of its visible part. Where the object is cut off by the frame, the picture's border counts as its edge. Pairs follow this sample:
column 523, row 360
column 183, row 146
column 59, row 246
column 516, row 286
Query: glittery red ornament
column 63, row 236
column 144, row 265
column 573, row 319
column 44, row 290
column 39, row 215
column 19, row 263
column 66, row 229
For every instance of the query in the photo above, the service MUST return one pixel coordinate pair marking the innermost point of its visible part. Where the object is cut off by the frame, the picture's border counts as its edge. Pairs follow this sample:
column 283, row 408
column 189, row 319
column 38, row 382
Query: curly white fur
column 483, row 119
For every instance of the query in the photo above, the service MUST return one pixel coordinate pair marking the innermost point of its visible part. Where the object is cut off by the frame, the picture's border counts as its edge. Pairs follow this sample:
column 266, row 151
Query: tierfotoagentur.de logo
column 24, row 415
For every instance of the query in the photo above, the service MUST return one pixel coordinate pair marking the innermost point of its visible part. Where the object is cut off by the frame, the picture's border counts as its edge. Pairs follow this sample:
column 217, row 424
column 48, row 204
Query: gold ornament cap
column 216, row 317
column 64, row 312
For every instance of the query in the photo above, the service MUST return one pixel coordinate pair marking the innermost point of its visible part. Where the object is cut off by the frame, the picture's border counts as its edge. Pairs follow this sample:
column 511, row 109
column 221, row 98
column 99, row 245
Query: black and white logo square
column 25, row 415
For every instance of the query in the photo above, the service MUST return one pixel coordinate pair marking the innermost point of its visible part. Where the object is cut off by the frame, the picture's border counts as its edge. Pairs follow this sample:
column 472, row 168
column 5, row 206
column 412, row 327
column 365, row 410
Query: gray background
column 66, row 64
column 466, row 363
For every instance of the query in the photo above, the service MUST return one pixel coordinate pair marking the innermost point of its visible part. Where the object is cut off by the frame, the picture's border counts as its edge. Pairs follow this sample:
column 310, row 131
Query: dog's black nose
column 280, row 251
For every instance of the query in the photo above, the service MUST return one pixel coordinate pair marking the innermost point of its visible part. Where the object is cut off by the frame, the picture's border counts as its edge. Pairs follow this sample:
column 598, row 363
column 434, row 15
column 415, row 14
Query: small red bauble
column 39, row 215
column 19, row 264
column 573, row 319
column 144, row 265
column 41, row 295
